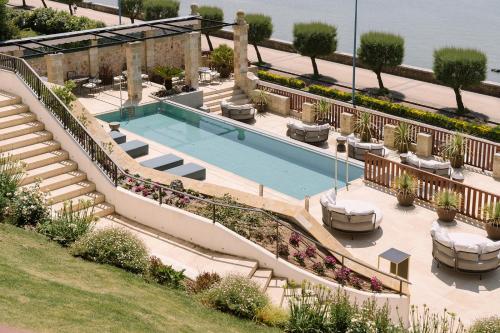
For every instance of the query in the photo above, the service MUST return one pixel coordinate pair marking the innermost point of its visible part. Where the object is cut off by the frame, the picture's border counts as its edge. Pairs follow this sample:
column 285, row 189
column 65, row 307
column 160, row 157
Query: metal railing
column 114, row 173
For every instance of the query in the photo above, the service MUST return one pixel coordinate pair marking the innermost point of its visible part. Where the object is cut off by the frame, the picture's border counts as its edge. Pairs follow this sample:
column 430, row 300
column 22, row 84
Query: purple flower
column 330, row 262
column 355, row 281
column 295, row 239
column 318, row 268
column 299, row 257
column 342, row 275
column 311, row 251
column 375, row 284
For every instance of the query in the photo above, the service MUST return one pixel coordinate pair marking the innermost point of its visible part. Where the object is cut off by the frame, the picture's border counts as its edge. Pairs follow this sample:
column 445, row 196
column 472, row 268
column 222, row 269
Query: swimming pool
column 288, row 168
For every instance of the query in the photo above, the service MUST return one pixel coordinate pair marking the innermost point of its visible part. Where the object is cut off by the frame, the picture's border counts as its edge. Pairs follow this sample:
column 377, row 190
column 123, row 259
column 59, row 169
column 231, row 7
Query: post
column 277, row 240
column 160, row 195
column 213, row 213
column 192, row 51
column 354, row 54
column 347, row 172
column 336, row 171
column 120, row 12
column 306, row 203
column 55, row 68
column 134, row 71
column 261, row 190
column 240, row 50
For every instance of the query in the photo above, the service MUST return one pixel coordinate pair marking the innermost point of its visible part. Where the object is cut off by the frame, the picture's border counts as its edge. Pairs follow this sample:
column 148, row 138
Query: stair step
column 235, row 99
column 217, row 91
column 65, row 179
column 44, row 159
column 48, row 171
column 8, row 99
column 222, row 95
column 13, row 109
column 276, row 291
column 71, row 191
column 102, row 209
column 34, row 149
column 262, row 277
column 17, row 119
column 11, row 132
column 25, row 140
column 78, row 202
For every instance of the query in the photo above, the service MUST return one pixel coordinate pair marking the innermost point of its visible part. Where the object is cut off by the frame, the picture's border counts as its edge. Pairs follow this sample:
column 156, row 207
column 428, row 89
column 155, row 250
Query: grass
column 45, row 289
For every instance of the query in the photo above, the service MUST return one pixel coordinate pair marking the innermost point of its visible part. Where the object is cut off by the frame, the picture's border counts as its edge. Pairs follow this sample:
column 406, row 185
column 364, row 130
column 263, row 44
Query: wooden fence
column 383, row 172
column 478, row 152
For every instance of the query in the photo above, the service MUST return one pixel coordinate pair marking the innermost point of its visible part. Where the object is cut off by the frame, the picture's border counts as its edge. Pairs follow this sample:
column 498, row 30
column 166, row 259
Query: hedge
column 282, row 80
column 435, row 119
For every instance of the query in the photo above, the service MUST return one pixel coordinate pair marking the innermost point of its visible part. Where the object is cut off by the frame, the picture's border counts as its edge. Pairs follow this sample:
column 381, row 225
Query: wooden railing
column 478, row 152
column 383, row 172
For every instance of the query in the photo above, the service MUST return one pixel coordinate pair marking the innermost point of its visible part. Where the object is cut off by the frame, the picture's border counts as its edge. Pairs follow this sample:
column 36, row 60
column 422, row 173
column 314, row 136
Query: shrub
column 486, row 325
column 214, row 14
column 50, row 21
column 260, row 28
column 280, row 79
column 283, row 250
column 311, row 251
column 203, row 282
column 378, row 50
column 318, row 268
column 163, row 274
column 300, row 258
column 113, row 246
column 28, row 207
column 273, row 316
column 132, row 8
column 309, row 310
column 237, row 295
column 222, row 60
column 160, row 9
column 314, row 39
column 341, row 311
column 69, row 224
column 7, row 29
column 459, row 69
column 403, row 111
column 342, row 275
column 295, row 239
column 11, row 173
column 330, row 262
column 375, row 284
column 65, row 93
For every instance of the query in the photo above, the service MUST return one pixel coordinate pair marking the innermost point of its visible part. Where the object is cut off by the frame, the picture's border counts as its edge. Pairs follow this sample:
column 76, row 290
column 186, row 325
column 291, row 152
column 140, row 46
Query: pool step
column 24, row 140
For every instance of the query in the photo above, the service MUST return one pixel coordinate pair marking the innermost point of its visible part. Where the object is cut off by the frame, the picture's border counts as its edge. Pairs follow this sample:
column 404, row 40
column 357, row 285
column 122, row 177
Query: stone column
column 389, row 136
column 93, row 59
column 191, row 59
column 55, row 68
column 134, row 62
column 308, row 113
column 496, row 165
column 150, row 50
column 346, row 123
column 240, row 50
column 424, row 145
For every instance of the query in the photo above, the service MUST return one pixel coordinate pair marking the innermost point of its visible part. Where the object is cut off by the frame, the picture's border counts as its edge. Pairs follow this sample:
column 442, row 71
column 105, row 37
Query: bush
column 486, row 325
column 65, row 93
column 237, row 295
column 28, row 207
column 203, row 282
column 222, row 59
column 160, row 9
column 403, row 111
column 113, row 246
column 280, row 79
column 132, row 8
column 69, row 224
column 163, row 274
column 49, row 21
column 11, row 172
column 273, row 316
column 260, row 28
column 214, row 14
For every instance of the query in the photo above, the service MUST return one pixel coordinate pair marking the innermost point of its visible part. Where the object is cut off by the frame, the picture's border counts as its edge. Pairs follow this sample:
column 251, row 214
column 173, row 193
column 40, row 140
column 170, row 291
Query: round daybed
column 349, row 215
column 314, row 134
column 237, row 112
column 463, row 251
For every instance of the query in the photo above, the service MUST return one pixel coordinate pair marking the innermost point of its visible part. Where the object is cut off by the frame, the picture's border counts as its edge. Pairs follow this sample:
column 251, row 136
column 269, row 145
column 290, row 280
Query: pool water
column 282, row 166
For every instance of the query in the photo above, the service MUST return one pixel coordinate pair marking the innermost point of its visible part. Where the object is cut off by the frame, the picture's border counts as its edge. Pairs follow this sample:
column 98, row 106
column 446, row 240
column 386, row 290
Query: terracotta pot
column 446, row 215
column 405, row 199
column 493, row 231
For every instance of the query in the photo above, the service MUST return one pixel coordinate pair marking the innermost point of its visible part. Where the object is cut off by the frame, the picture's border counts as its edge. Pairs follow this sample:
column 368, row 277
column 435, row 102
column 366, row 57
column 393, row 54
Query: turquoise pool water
column 285, row 167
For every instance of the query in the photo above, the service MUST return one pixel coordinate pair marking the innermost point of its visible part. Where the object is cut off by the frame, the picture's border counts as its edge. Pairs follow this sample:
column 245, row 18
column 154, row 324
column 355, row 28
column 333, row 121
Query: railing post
column 160, row 196
column 213, row 212
column 277, row 240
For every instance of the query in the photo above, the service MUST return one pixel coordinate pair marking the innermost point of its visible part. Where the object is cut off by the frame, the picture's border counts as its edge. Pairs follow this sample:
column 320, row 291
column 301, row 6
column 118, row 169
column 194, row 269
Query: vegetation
column 65, row 93
column 237, row 295
column 378, row 50
column 203, row 282
column 491, row 214
column 447, row 199
column 454, row 150
column 160, row 9
column 28, row 207
column 260, row 99
column 60, row 292
column 7, row 30
column 71, row 4
column 11, row 173
column 167, row 73
column 459, row 69
column 486, row 325
column 314, row 39
column 405, row 186
column 402, row 137
column 132, row 8
column 363, row 126
column 113, row 246
column 163, row 274
column 321, row 110
column 222, row 59
column 260, row 28
column 213, row 14
column 273, row 316
column 280, row 79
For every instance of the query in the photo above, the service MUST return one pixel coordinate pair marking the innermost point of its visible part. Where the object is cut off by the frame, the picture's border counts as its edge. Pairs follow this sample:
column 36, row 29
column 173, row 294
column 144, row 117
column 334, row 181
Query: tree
column 71, row 3
column 459, row 69
column 132, row 8
column 214, row 14
column 314, row 39
column 378, row 50
column 260, row 28
column 160, row 9
column 44, row 4
column 7, row 28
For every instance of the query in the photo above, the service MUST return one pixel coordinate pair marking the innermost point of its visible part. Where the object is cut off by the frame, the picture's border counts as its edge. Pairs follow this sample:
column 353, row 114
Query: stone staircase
column 212, row 99
column 26, row 139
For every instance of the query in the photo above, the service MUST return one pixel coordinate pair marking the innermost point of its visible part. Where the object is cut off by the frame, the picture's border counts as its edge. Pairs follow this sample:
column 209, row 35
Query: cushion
column 328, row 197
column 490, row 246
column 377, row 146
column 443, row 237
column 336, row 208
column 469, row 246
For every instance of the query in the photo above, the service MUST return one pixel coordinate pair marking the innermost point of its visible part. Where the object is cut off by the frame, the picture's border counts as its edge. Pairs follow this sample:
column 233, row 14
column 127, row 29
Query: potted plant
column 406, row 188
column 363, row 126
column 447, row 203
column 321, row 109
column 402, row 137
column 454, row 150
column 492, row 220
column 260, row 100
column 222, row 60
column 167, row 73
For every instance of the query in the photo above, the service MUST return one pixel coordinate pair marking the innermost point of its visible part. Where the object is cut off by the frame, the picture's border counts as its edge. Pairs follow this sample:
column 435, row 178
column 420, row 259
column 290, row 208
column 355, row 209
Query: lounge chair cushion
column 163, row 162
column 490, row 246
column 328, row 197
column 189, row 170
column 135, row 148
column 118, row 137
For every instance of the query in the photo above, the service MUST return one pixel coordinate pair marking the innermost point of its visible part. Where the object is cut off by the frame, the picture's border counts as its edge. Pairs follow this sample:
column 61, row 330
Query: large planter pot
column 457, row 162
column 406, row 199
column 446, row 215
column 493, row 231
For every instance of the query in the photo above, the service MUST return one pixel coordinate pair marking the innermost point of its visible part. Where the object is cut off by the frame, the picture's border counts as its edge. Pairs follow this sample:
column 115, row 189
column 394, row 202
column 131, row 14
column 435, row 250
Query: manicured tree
column 5, row 28
column 132, row 8
column 378, row 50
column 71, row 3
column 214, row 14
column 459, row 69
column 260, row 28
column 44, row 4
column 314, row 39
column 160, row 9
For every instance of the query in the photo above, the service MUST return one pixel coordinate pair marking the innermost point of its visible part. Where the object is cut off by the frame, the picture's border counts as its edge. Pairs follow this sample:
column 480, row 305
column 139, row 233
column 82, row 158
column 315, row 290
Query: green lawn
column 45, row 289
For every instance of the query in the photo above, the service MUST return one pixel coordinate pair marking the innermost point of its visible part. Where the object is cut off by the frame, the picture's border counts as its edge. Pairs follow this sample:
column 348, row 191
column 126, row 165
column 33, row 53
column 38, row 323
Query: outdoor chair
column 237, row 112
column 118, row 137
column 357, row 149
column 163, row 162
column 189, row 170
column 314, row 134
column 439, row 168
column 135, row 148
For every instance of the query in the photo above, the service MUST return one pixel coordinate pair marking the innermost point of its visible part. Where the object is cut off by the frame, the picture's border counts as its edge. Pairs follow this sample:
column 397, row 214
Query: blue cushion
column 189, row 170
column 163, row 162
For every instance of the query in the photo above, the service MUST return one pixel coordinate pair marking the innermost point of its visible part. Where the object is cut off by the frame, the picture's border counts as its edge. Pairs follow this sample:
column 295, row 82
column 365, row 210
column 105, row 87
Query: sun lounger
column 119, row 137
column 163, row 162
column 189, row 170
column 135, row 148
